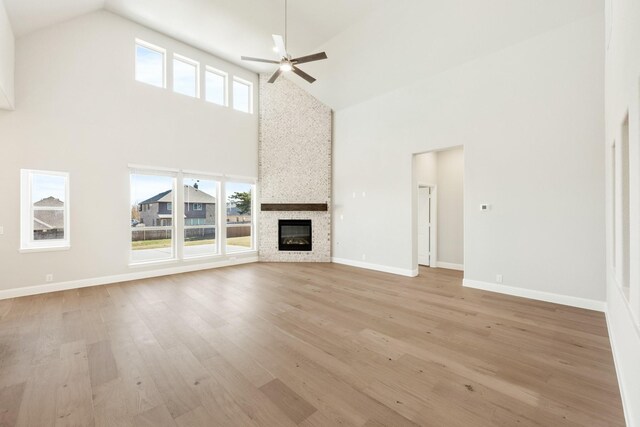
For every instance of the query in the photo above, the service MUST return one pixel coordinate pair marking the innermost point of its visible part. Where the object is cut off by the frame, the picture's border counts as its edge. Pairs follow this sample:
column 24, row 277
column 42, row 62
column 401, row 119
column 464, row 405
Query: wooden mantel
column 294, row 207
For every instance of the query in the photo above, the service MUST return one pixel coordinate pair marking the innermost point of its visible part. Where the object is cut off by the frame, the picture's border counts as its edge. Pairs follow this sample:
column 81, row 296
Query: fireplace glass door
column 294, row 235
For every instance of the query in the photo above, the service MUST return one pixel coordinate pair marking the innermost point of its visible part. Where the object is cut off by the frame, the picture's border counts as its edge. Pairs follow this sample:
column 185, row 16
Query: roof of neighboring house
column 48, row 220
column 191, row 195
column 49, row 202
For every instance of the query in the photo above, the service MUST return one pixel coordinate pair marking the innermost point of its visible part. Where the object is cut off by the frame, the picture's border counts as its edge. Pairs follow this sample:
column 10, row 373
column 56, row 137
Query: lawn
column 165, row 243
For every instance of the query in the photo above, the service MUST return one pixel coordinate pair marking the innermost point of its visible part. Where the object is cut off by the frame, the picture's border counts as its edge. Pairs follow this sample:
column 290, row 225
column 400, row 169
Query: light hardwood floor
column 302, row 344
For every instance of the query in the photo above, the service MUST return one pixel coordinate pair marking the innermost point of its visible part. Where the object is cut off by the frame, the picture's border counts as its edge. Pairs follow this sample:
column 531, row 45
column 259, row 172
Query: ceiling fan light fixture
column 286, row 66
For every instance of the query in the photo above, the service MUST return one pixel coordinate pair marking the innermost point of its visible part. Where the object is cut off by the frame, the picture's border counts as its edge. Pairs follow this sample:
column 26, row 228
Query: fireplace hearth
column 294, row 235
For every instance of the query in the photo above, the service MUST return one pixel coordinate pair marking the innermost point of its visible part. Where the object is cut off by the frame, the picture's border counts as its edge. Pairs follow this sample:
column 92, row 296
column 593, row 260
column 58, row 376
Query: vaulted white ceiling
column 226, row 28
column 374, row 46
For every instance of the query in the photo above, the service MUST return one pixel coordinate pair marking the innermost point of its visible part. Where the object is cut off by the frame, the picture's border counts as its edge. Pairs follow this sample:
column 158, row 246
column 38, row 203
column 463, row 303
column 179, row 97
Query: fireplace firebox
column 294, row 235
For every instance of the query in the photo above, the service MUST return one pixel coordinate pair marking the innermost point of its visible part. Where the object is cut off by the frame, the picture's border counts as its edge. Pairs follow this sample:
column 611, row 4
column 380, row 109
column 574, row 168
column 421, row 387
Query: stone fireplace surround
column 294, row 169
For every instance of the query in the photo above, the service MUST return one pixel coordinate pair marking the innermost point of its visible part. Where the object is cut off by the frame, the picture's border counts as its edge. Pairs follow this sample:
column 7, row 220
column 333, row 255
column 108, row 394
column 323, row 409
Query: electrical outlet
column 498, row 278
column 364, row 257
column 48, row 278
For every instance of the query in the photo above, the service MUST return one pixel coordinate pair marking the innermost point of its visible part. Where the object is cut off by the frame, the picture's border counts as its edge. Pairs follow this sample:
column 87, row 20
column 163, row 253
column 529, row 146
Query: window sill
column 201, row 257
column 246, row 252
column 44, row 249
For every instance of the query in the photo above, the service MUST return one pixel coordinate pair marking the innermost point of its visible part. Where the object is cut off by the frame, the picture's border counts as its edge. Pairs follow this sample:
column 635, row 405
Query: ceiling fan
column 286, row 62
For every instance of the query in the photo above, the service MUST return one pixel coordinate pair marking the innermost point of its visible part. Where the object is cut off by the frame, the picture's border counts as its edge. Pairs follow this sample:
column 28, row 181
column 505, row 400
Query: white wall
column 451, row 206
column 622, row 96
column 530, row 118
column 445, row 169
column 7, row 59
column 426, row 168
column 80, row 110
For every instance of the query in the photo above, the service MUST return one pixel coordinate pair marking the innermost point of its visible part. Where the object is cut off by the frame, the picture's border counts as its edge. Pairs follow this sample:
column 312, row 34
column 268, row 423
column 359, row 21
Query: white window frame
column 150, row 46
column 250, row 85
column 27, row 243
column 188, row 61
column 225, row 76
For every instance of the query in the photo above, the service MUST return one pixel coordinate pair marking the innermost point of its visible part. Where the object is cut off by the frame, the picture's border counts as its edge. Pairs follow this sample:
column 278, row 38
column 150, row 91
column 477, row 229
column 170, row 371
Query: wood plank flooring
column 302, row 344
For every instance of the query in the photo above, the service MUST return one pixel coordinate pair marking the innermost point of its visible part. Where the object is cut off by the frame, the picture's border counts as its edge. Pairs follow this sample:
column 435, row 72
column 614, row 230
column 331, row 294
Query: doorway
column 438, row 209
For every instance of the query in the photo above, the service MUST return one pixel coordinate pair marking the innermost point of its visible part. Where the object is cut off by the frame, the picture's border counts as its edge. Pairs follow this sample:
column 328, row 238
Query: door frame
column 433, row 235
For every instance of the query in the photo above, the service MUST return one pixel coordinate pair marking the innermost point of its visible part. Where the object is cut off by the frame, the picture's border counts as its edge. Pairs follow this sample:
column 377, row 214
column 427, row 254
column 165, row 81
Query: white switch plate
column 48, row 278
column 498, row 278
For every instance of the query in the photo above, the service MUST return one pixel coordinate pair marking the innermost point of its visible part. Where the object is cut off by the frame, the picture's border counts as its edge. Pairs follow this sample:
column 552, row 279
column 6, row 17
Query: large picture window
column 44, row 210
column 240, row 221
column 177, row 215
column 152, row 216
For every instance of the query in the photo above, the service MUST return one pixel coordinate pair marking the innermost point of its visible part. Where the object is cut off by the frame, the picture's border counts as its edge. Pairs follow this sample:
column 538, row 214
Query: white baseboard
column 450, row 266
column 376, row 267
column 537, row 295
column 83, row 283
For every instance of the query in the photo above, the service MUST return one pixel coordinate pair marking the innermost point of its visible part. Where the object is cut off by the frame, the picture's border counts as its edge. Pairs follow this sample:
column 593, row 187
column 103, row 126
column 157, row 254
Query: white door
column 424, row 226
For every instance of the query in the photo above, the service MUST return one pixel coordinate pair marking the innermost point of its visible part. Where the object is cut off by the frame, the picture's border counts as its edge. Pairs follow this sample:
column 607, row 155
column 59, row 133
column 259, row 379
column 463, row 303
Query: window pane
column 48, row 195
column 239, row 217
column 149, row 66
column 151, row 218
column 48, row 190
column 185, row 78
column 215, row 88
column 48, row 224
column 241, row 96
column 200, row 225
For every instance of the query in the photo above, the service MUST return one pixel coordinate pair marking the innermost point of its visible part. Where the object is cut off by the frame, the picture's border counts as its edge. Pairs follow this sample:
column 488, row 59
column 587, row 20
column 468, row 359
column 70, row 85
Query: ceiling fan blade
column 279, row 42
column 275, row 76
column 304, row 75
column 269, row 61
column 310, row 58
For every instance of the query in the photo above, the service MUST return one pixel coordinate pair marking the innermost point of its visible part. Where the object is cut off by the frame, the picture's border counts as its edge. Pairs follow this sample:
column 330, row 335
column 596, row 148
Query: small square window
column 185, row 76
column 242, row 95
column 150, row 64
column 197, row 206
column 216, row 86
